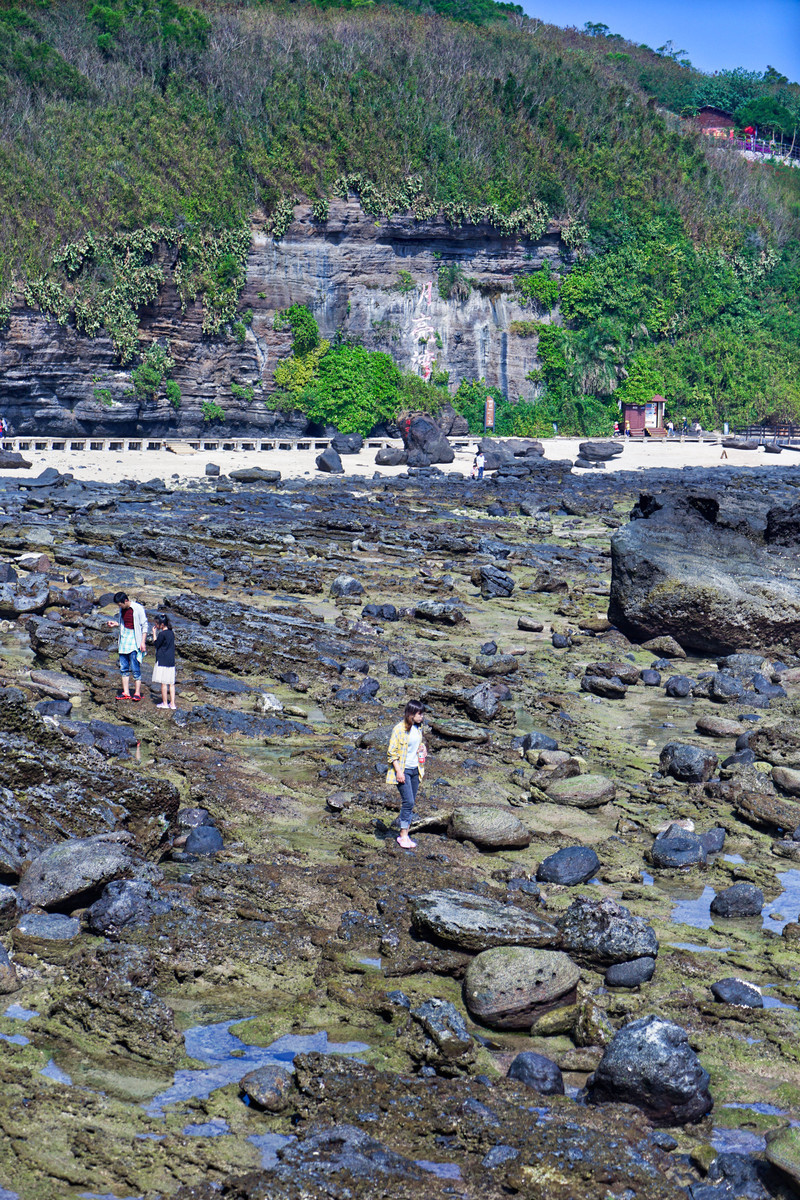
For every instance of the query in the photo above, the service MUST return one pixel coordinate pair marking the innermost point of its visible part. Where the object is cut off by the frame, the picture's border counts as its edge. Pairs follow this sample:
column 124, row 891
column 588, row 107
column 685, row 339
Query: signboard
column 650, row 416
column 488, row 415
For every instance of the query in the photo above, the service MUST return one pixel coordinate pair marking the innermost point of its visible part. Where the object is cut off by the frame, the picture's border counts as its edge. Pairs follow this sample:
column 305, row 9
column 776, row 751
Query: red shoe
column 136, row 697
column 122, row 696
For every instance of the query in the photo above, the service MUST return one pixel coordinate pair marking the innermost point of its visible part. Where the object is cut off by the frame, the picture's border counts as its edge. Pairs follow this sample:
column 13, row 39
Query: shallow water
column 214, row 1128
column 699, row 949
column 696, row 912
column 51, row 1071
column 269, row 1144
column 787, row 905
column 16, row 1039
column 18, row 1013
column 230, row 1059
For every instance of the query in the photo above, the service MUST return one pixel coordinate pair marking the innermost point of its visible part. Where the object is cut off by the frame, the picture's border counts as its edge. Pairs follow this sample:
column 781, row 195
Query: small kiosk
column 644, row 418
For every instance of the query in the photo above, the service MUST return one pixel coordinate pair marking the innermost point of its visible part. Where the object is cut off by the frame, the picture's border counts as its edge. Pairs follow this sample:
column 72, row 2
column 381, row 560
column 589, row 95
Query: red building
column 715, row 121
column 643, row 417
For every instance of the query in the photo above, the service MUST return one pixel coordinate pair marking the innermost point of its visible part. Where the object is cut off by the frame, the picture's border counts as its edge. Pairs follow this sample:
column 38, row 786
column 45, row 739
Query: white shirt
column 414, row 739
column 480, row 461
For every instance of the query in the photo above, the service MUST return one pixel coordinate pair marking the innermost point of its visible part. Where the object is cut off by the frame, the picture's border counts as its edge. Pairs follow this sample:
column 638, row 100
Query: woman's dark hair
column 412, row 708
column 162, row 619
column 120, row 597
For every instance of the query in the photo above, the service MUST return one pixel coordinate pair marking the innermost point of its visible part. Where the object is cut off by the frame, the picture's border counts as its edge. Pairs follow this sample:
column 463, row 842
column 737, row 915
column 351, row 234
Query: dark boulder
column 738, row 992
column 255, row 475
column 739, row 900
column 631, row 974
column 425, row 436
column 399, row 668
column 569, row 866
column 536, row 741
column 610, row 689
column 688, row 764
column 347, row 443
column 678, row 849
column 596, row 452
column 204, row 839
column 604, row 931
column 493, row 582
column 329, row 461
column 713, row 839
column 346, row 585
column 381, row 612
column 649, row 1063
column 125, row 903
column 679, row 686
column 11, row 461
column 651, row 678
column 391, row 457
column 540, row 1074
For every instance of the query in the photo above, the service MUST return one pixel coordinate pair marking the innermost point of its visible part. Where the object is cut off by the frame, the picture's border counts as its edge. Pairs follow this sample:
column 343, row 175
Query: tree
column 356, row 389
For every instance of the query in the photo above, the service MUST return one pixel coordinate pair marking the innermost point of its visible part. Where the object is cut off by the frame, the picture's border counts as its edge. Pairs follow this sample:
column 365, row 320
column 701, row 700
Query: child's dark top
column 165, row 648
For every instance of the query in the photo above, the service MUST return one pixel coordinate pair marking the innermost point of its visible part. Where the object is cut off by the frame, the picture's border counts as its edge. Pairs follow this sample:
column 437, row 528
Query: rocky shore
column 221, row 977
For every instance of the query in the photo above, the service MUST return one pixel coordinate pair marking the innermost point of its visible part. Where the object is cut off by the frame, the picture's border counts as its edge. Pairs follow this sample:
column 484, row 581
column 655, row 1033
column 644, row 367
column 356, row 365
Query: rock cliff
column 55, row 380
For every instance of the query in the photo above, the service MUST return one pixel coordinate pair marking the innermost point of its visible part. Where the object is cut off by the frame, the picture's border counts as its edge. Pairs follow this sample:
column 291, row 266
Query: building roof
column 709, row 117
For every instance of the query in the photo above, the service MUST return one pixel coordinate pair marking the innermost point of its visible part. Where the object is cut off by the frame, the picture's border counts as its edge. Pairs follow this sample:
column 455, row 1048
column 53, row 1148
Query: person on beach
column 407, row 756
column 164, row 670
column 480, row 463
column 132, row 624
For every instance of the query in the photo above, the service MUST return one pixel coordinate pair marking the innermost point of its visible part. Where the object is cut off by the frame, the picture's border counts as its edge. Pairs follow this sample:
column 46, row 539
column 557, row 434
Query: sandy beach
column 299, row 464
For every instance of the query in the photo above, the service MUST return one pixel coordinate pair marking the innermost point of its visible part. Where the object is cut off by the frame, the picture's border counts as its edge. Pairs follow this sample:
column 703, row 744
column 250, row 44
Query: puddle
column 229, row 1059
column 760, row 1107
column 51, row 1071
column 370, row 962
column 647, row 879
column 738, row 1141
column 773, row 1001
column 440, row 1170
column 732, row 858
column 18, row 1013
column 16, row 1039
column 696, row 912
column 699, row 949
column 214, row 1128
column 787, row 906
column 268, row 1144
column 5, row 1194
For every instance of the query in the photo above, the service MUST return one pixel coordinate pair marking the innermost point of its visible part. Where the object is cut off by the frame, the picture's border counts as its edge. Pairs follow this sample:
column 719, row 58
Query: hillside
column 123, row 116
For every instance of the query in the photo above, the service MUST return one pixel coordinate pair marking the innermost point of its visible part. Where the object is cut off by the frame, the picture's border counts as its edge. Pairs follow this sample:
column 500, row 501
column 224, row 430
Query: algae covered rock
column 70, row 869
column 582, row 791
column 650, row 1063
column 489, row 827
column 506, row 987
column 604, row 931
column 783, row 1151
column 688, row 764
column 269, row 1087
column 473, row 922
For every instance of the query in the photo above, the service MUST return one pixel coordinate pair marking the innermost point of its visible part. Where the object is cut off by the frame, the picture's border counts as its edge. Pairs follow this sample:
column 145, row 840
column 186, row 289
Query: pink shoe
column 162, row 706
column 406, row 843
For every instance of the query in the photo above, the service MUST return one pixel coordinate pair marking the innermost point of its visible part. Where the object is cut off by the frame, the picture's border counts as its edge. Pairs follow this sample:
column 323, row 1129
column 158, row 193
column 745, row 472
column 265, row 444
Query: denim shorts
column 129, row 664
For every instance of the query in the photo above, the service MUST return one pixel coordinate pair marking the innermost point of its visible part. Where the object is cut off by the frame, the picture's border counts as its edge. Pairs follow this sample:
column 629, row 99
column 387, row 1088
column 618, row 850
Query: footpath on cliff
column 221, row 976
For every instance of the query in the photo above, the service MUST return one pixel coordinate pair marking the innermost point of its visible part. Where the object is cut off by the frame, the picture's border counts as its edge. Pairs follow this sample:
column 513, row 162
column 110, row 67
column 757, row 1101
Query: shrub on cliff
column 356, row 389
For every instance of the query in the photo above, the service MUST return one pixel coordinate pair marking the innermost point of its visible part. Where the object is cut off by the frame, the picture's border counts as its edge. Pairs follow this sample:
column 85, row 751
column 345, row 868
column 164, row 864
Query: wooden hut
column 644, row 418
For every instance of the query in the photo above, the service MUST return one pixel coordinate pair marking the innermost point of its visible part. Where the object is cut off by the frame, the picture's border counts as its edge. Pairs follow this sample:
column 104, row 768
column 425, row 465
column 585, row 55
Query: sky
column 716, row 34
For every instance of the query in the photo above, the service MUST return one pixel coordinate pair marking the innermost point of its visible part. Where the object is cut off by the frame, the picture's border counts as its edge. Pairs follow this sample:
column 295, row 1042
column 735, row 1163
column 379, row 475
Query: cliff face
column 347, row 270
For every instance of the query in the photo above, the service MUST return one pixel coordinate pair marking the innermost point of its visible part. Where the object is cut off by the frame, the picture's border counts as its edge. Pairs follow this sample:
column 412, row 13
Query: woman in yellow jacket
column 407, row 755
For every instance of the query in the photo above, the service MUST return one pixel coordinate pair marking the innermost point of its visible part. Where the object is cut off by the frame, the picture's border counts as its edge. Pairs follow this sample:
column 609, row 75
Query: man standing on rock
column 132, row 624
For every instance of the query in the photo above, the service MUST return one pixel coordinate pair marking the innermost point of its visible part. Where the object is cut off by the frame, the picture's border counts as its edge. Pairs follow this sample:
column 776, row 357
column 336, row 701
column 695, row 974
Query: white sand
column 110, row 466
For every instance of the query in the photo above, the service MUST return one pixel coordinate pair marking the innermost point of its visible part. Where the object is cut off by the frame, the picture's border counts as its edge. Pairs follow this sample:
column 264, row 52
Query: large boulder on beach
column 509, row 986
column 490, row 827
column 423, row 435
column 678, row 569
column 595, row 452
column 473, row 922
column 71, row 869
column 650, row 1063
column 604, row 931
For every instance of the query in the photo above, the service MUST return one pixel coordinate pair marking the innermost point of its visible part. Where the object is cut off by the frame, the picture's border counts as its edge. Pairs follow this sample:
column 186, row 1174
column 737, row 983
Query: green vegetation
column 212, row 411
column 242, row 392
column 137, row 137
column 152, row 371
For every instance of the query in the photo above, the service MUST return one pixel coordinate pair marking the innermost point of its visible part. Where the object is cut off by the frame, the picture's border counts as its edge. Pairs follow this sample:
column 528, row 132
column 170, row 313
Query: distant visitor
column 132, row 624
column 407, row 754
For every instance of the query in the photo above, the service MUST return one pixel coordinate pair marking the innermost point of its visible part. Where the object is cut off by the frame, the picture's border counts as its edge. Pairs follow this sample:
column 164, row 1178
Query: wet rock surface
column 261, row 916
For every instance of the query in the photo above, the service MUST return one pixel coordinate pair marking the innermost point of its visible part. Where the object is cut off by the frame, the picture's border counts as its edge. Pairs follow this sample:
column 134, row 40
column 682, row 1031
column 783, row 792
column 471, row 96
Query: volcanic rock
column 474, row 923
column 650, row 1063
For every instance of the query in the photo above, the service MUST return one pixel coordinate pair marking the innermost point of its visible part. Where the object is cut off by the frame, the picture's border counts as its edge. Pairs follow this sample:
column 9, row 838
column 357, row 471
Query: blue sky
column 717, row 34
